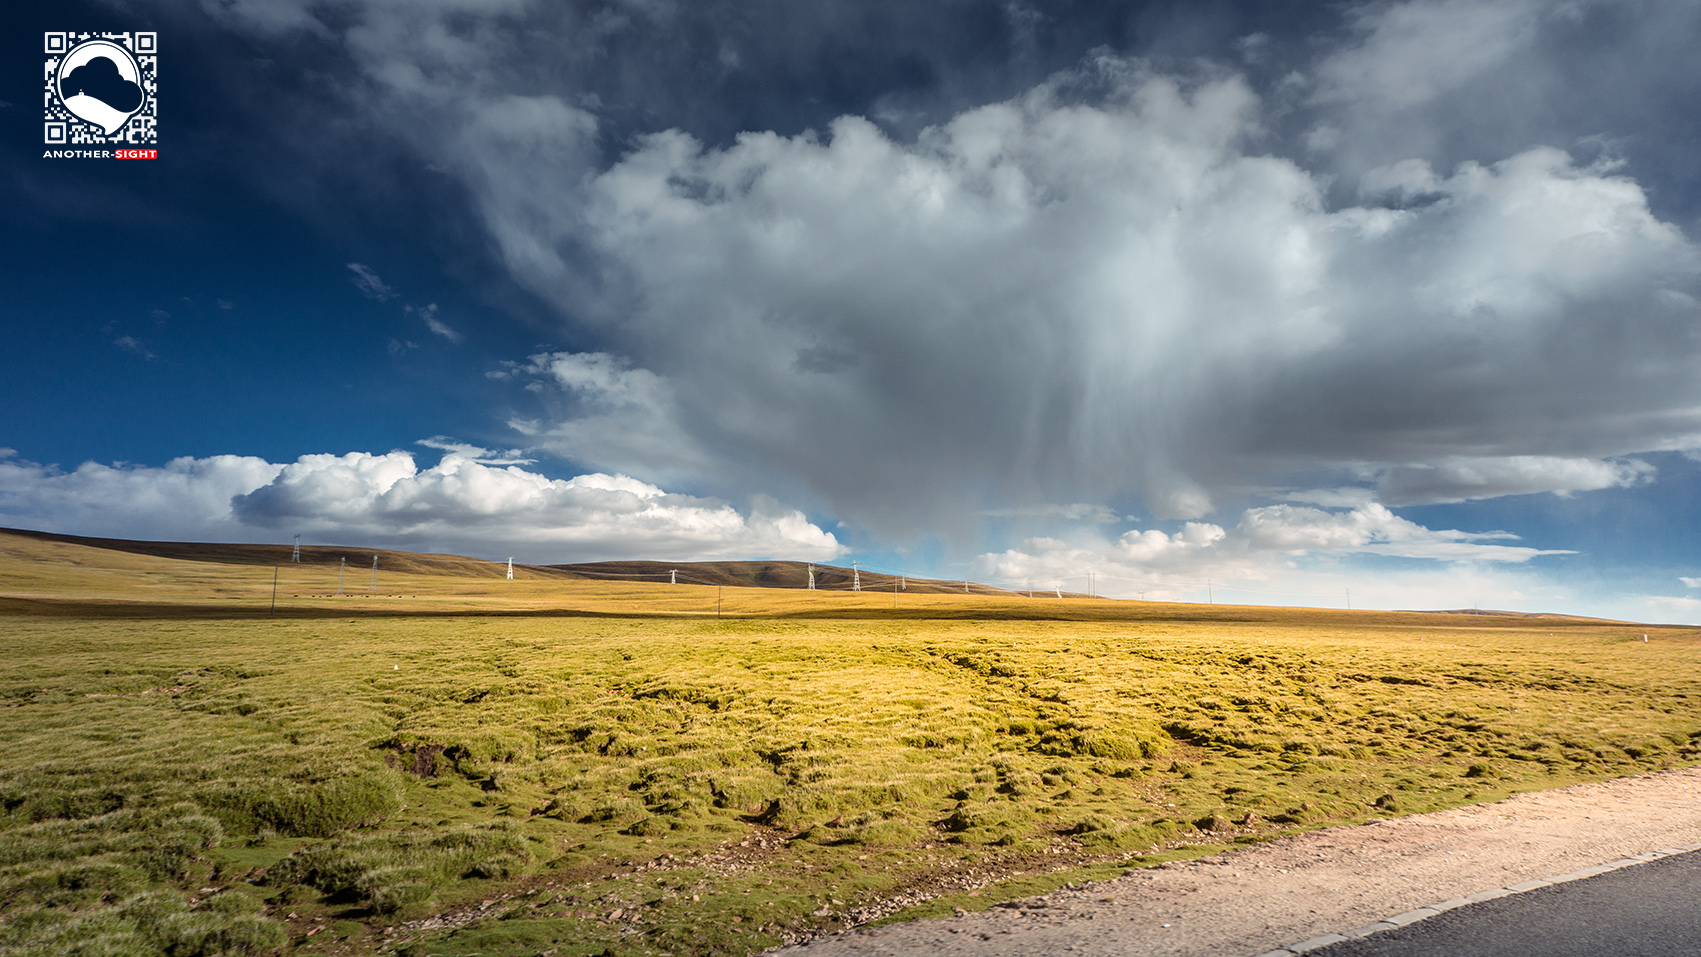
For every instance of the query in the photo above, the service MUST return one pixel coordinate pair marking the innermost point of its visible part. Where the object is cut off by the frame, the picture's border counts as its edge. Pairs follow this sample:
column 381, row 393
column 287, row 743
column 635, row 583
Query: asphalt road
column 1650, row 910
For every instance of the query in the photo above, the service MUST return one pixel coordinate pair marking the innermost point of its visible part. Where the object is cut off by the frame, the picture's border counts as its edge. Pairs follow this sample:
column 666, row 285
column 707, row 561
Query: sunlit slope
column 44, row 575
column 808, row 759
column 839, row 764
column 49, row 574
column 230, row 553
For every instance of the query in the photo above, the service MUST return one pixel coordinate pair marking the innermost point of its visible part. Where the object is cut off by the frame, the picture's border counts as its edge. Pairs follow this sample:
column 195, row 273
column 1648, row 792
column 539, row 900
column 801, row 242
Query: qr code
column 100, row 89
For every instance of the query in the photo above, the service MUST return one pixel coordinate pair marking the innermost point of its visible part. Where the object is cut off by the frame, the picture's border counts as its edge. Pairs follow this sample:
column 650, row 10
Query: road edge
column 1421, row 913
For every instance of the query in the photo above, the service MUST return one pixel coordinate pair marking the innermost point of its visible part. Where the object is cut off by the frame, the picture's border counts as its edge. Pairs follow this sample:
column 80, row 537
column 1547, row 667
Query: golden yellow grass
column 592, row 747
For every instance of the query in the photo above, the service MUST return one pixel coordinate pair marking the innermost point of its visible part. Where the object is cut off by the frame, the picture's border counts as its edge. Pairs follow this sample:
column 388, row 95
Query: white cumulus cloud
column 1286, row 551
column 460, row 504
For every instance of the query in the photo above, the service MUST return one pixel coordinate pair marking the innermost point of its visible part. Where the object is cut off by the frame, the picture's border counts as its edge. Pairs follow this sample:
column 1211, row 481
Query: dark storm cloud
column 716, row 68
column 1452, row 81
column 928, row 259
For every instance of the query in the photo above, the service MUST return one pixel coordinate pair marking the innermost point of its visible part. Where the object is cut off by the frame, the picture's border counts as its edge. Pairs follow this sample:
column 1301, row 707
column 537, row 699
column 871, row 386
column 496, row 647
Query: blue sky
column 1394, row 303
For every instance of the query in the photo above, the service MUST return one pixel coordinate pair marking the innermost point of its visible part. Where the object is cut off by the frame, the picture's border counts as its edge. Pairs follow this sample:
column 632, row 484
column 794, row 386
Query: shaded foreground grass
column 458, row 785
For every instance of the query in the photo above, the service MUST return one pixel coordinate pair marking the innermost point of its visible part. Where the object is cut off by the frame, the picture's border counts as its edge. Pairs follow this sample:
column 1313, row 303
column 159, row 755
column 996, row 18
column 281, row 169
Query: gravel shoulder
column 1253, row 900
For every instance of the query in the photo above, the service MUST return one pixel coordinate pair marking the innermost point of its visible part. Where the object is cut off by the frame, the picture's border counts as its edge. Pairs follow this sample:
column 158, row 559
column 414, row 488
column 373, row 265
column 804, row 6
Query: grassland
column 459, row 765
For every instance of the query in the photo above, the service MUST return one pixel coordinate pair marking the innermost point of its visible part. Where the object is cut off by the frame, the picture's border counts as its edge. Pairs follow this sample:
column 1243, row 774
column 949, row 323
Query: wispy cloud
column 369, row 284
column 134, row 346
column 1461, row 478
column 428, row 315
column 1075, row 512
column 475, row 453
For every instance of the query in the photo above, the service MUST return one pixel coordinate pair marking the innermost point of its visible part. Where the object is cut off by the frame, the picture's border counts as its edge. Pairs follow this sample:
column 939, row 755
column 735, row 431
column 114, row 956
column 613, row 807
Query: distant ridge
column 754, row 574
column 1495, row 613
column 769, row 574
column 230, row 553
column 733, row 574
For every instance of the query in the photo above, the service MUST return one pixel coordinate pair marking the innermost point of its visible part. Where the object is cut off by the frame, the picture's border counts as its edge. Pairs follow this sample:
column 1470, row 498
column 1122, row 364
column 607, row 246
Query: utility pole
column 296, row 557
column 673, row 576
column 894, row 593
column 374, row 587
column 342, row 563
column 274, row 589
column 856, row 577
column 1209, row 598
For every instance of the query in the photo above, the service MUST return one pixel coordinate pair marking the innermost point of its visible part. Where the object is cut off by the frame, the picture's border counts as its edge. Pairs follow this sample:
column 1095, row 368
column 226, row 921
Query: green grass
column 217, row 784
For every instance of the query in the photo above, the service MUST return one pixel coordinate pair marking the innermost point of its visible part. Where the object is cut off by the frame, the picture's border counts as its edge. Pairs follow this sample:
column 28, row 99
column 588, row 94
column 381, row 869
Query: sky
column 1389, row 304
